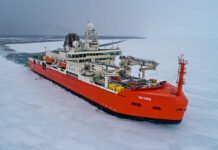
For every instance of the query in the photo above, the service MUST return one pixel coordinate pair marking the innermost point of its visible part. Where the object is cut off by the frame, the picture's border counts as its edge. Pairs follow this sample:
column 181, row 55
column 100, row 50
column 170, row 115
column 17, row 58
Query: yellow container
column 112, row 86
column 119, row 88
column 153, row 80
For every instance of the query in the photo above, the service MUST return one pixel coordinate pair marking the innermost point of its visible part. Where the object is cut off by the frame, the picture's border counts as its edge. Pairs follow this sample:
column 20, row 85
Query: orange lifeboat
column 62, row 65
column 48, row 60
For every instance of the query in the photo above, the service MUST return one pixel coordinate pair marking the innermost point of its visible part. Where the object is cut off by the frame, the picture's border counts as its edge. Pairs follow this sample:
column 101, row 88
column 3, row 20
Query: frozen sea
column 38, row 114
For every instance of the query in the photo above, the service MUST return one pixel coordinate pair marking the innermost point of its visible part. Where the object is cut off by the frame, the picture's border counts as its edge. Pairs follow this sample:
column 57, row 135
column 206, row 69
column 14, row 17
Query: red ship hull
column 158, row 105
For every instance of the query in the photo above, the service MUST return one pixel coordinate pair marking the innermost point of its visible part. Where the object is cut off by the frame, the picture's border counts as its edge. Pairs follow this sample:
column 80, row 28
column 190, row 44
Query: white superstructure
column 85, row 60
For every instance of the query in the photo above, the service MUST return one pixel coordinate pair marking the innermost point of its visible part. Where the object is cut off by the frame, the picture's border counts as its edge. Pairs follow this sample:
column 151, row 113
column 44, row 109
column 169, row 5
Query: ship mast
column 90, row 38
column 181, row 72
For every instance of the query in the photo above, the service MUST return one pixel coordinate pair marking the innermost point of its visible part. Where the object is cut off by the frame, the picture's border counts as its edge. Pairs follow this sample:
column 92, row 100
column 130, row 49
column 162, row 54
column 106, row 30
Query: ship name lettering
column 144, row 98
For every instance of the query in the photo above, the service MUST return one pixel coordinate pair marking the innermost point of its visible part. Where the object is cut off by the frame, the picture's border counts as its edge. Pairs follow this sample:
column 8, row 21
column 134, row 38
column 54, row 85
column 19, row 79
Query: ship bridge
column 104, row 55
column 88, row 50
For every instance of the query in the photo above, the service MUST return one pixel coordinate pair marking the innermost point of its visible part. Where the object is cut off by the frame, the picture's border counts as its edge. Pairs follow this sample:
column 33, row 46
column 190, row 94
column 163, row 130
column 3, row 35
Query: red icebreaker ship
column 89, row 71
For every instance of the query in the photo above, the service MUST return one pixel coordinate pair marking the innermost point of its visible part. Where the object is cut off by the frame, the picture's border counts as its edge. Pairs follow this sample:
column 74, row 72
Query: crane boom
column 144, row 64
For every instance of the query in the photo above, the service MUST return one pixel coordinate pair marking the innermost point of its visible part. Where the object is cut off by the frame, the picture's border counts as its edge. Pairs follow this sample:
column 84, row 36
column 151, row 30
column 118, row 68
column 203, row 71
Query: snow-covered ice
column 37, row 114
column 43, row 46
column 36, row 47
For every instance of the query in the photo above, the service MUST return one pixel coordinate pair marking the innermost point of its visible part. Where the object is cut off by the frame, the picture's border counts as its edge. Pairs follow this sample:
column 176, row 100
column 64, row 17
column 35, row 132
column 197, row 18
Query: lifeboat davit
column 48, row 60
column 62, row 65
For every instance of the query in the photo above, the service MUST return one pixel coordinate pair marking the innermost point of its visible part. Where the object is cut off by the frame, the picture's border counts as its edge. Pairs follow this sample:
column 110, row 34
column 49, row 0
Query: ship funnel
column 181, row 72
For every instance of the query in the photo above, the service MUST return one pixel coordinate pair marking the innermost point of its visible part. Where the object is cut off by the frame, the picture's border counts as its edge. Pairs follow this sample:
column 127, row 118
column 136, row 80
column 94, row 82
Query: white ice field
column 38, row 114
column 35, row 47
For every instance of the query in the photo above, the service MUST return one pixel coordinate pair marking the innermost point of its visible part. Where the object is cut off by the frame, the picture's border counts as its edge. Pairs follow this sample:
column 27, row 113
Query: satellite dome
column 90, row 26
column 75, row 44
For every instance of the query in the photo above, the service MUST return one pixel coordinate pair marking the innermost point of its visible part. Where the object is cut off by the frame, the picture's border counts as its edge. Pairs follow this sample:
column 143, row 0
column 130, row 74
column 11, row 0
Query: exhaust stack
column 181, row 72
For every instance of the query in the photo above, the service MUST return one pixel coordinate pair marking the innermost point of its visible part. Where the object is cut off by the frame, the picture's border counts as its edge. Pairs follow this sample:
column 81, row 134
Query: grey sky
column 192, row 18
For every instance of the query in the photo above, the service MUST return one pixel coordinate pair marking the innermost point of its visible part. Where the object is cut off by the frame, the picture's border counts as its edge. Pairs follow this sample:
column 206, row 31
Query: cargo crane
column 127, row 61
